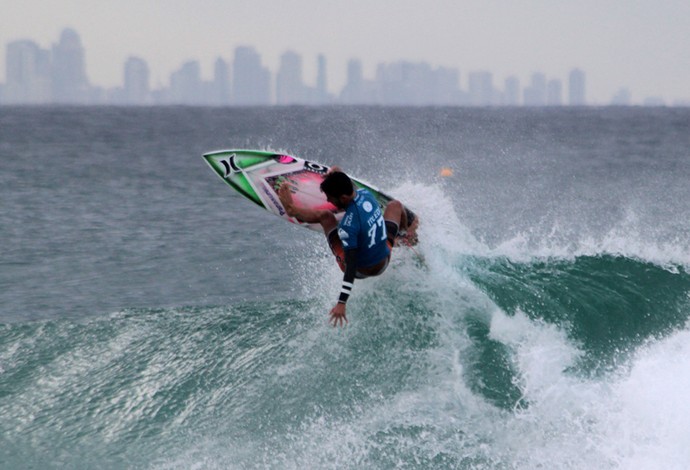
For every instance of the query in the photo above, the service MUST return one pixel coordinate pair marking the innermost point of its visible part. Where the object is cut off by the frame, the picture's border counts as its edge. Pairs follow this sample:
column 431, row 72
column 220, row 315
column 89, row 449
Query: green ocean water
column 149, row 318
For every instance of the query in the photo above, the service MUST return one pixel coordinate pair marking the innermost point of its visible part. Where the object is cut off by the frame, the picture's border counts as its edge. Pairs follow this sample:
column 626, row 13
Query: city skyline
column 640, row 45
column 58, row 76
column 39, row 76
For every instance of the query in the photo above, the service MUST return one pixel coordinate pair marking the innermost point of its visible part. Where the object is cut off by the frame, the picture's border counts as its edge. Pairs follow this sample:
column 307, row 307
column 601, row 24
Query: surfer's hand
column 338, row 317
column 333, row 169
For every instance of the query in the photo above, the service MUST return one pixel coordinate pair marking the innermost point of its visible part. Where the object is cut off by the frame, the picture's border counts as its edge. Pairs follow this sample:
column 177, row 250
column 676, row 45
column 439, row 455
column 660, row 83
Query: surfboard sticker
column 257, row 175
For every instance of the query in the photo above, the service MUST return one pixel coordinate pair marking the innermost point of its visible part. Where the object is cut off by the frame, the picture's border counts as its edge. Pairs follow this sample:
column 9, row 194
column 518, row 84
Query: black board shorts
column 338, row 250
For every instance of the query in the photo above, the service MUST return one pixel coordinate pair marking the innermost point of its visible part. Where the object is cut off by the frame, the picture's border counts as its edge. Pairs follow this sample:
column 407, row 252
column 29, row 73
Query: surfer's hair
column 337, row 184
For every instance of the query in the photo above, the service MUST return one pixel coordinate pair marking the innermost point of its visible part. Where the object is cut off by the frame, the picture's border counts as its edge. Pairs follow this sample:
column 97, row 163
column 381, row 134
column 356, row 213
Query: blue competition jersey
column 363, row 228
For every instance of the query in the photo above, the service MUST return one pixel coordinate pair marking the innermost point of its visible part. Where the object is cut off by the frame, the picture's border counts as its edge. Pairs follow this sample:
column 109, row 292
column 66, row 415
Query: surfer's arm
column 338, row 313
column 349, row 276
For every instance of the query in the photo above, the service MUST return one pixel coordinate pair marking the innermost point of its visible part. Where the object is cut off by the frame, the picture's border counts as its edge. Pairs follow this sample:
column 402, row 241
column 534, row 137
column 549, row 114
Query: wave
column 608, row 304
column 477, row 357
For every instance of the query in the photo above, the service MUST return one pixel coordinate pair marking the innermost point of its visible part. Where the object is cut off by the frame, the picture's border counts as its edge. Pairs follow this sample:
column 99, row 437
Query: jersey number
column 372, row 232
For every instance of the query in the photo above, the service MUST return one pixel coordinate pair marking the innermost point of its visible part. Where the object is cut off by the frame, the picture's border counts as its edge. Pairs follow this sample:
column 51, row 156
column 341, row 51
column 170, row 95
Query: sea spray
column 150, row 320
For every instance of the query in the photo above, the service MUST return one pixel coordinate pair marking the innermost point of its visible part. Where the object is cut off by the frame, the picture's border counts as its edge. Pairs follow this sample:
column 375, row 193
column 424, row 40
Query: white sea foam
column 625, row 239
column 633, row 418
column 636, row 418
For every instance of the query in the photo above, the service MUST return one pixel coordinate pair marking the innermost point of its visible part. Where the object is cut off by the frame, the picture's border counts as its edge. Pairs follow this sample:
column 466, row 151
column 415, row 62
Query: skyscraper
column 446, row 86
column 535, row 93
column 136, row 84
column 511, row 96
column 251, row 81
column 353, row 91
column 481, row 88
column 185, row 84
column 289, row 86
column 554, row 92
column 576, row 88
column 621, row 98
column 321, row 80
column 393, row 83
column 409, row 83
column 28, row 74
column 221, row 82
column 70, row 84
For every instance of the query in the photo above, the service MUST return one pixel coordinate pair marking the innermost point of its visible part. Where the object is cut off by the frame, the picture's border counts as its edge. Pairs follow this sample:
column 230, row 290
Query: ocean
column 152, row 318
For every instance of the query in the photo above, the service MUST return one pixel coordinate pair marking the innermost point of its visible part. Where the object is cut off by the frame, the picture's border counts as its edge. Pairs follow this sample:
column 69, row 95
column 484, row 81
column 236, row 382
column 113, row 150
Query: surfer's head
column 338, row 188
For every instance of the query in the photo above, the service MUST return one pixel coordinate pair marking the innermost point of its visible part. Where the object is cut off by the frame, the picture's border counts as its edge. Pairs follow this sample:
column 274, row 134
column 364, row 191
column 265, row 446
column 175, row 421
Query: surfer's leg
column 336, row 246
column 395, row 212
column 392, row 215
column 396, row 219
column 409, row 236
column 400, row 222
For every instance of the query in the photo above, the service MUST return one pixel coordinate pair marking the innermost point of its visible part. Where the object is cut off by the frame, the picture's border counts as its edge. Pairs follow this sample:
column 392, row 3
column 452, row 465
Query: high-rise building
column 417, row 84
column 321, row 80
column 221, row 82
column 353, row 91
column 251, row 81
column 446, row 89
column 481, row 88
column 185, row 84
column 576, row 88
column 70, row 84
column 403, row 83
column 28, row 74
column 136, row 83
column 554, row 93
column 621, row 98
column 511, row 94
column 655, row 101
column 535, row 93
column 289, row 86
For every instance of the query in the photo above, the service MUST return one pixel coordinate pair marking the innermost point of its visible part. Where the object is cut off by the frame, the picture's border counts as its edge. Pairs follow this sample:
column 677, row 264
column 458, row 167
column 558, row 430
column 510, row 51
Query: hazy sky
column 643, row 45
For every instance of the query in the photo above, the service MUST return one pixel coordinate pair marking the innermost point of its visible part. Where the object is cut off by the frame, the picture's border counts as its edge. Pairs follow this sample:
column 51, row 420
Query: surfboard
column 257, row 175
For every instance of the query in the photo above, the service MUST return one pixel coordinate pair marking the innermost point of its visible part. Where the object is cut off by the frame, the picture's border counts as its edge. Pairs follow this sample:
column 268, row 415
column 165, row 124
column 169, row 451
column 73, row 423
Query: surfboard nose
column 213, row 160
column 222, row 163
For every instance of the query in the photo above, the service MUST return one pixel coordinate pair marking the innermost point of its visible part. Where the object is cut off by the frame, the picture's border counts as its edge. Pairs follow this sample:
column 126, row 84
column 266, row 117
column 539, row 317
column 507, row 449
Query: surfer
column 363, row 240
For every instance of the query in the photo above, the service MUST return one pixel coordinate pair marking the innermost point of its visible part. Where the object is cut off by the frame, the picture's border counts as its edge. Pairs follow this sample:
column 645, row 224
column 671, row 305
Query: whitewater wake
column 517, row 355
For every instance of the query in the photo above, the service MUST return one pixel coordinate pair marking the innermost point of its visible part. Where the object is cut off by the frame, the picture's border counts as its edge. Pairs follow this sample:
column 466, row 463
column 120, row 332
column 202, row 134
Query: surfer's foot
column 285, row 197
